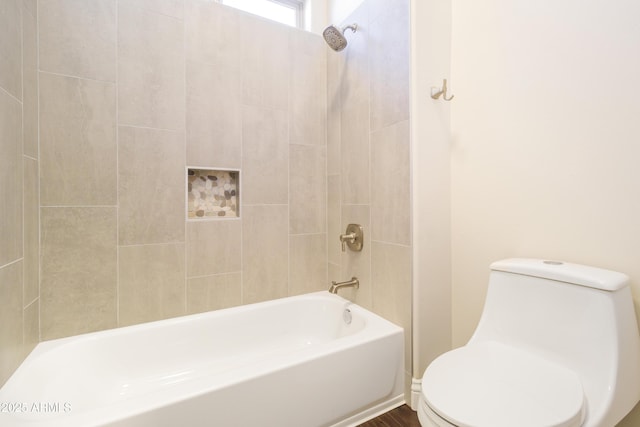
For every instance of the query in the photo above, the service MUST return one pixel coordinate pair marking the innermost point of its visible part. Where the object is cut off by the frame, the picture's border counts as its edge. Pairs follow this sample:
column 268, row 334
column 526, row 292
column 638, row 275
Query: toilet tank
column 578, row 316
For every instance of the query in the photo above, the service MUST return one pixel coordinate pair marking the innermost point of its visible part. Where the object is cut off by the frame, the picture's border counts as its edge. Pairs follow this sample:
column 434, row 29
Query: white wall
column 340, row 9
column 319, row 14
column 430, row 151
column 546, row 140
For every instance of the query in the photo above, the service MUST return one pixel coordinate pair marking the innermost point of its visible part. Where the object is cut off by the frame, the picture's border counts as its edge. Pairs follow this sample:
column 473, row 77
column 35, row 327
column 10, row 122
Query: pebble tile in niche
column 212, row 194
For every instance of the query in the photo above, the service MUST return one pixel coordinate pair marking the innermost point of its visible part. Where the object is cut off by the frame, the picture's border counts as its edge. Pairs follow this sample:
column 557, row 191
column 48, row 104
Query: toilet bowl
column 557, row 345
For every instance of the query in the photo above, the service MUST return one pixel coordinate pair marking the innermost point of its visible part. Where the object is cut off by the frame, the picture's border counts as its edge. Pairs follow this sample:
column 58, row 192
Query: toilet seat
column 490, row 384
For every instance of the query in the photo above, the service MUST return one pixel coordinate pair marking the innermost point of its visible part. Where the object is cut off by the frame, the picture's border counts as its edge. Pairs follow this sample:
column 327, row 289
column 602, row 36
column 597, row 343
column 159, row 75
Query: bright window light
column 284, row 11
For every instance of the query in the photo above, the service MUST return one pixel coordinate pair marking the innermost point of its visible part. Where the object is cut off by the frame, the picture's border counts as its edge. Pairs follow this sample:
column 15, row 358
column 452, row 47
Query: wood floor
column 402, row 416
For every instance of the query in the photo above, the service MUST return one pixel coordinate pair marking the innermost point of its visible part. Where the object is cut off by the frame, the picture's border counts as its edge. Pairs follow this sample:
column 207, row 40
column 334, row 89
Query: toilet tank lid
column 577, row 274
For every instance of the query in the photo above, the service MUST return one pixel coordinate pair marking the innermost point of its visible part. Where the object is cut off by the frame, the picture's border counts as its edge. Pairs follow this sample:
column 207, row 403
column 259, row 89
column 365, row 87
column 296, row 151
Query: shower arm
column 352, row 27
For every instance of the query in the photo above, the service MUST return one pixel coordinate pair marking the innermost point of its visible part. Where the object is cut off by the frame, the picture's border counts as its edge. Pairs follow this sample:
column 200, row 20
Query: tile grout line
column 22, row 161
column 326, row 168
column 117, row 106
column 369, row 153
column 226, row 273
column 69, row 76
column 78, row 206
column 240, row 205
column 339, row 63
column 37, row 19
column 10, row 94
column 126, row 125
column 185, row 169
column 11, row 263
column 289, row 144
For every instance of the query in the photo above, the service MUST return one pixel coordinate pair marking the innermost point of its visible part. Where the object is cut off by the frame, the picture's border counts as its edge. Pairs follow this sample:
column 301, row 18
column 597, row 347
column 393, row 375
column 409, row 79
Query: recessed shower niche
column 213, row 193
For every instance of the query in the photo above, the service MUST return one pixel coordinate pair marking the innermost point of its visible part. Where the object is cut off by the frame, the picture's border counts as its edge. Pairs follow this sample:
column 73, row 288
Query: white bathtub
column 289, row 362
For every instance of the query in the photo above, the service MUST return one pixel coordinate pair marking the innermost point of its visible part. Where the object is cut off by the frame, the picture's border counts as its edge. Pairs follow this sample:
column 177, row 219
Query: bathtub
column 304, row 361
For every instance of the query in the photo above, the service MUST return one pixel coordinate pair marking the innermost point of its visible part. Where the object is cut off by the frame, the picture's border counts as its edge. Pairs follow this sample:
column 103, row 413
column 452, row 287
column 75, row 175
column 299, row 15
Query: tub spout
column 353, row 283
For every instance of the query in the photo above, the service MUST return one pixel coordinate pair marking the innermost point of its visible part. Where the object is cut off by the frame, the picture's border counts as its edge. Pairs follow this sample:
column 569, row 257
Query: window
column 287, row 12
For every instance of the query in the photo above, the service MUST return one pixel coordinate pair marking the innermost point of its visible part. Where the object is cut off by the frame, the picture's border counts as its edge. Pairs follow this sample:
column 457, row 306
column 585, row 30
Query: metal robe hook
column 437, row 92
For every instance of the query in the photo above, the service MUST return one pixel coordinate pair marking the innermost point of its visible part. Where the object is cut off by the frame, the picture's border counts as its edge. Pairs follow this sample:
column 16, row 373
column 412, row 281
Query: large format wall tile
column 213, row 247
column 31, row 6
column 212, row 33
column 265, row 156
column 151, row 283
column 265, row 249
column 151, row 68
column 78, row 38
column 78, row 283
column 214, row 292
column 30, row 88
column 354, row 152
column 389, row 65
column 265, row 63
column 354, row 78
column 11, row 48
column 307, row 189
column 151, row 185
column 173, row 8
column 77, row 141
column 31, row 327
column 334, row 111
column 198, row 84
column 308, row 104
column 390, row 202
column 214, row 115
column 334, row 226
column 354, row 73
column 10, row 179
column 391, row 284
column 307, row 266
column 31, row 232
column 11, row 350
column 334, row 273
column 368, row 159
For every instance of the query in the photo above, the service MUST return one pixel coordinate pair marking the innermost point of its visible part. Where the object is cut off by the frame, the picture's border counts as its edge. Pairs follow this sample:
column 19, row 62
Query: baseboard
column 375, row 411
column 416, row 389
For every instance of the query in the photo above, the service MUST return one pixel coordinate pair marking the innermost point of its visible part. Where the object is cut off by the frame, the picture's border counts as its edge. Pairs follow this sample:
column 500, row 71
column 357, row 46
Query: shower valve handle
column 353, row 238
column 344, row 238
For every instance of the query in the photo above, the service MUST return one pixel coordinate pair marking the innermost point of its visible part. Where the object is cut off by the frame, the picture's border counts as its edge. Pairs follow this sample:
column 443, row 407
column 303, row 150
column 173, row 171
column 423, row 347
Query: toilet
column 557, row 345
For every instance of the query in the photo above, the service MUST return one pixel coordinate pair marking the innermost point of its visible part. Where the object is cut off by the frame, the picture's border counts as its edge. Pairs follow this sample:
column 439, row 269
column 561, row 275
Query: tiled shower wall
column 132, row 92
column 369, row 160
column 19, row 293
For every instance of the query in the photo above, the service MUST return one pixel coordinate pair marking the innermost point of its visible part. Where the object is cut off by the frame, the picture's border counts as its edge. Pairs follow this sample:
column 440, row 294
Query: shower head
column 335, row 38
